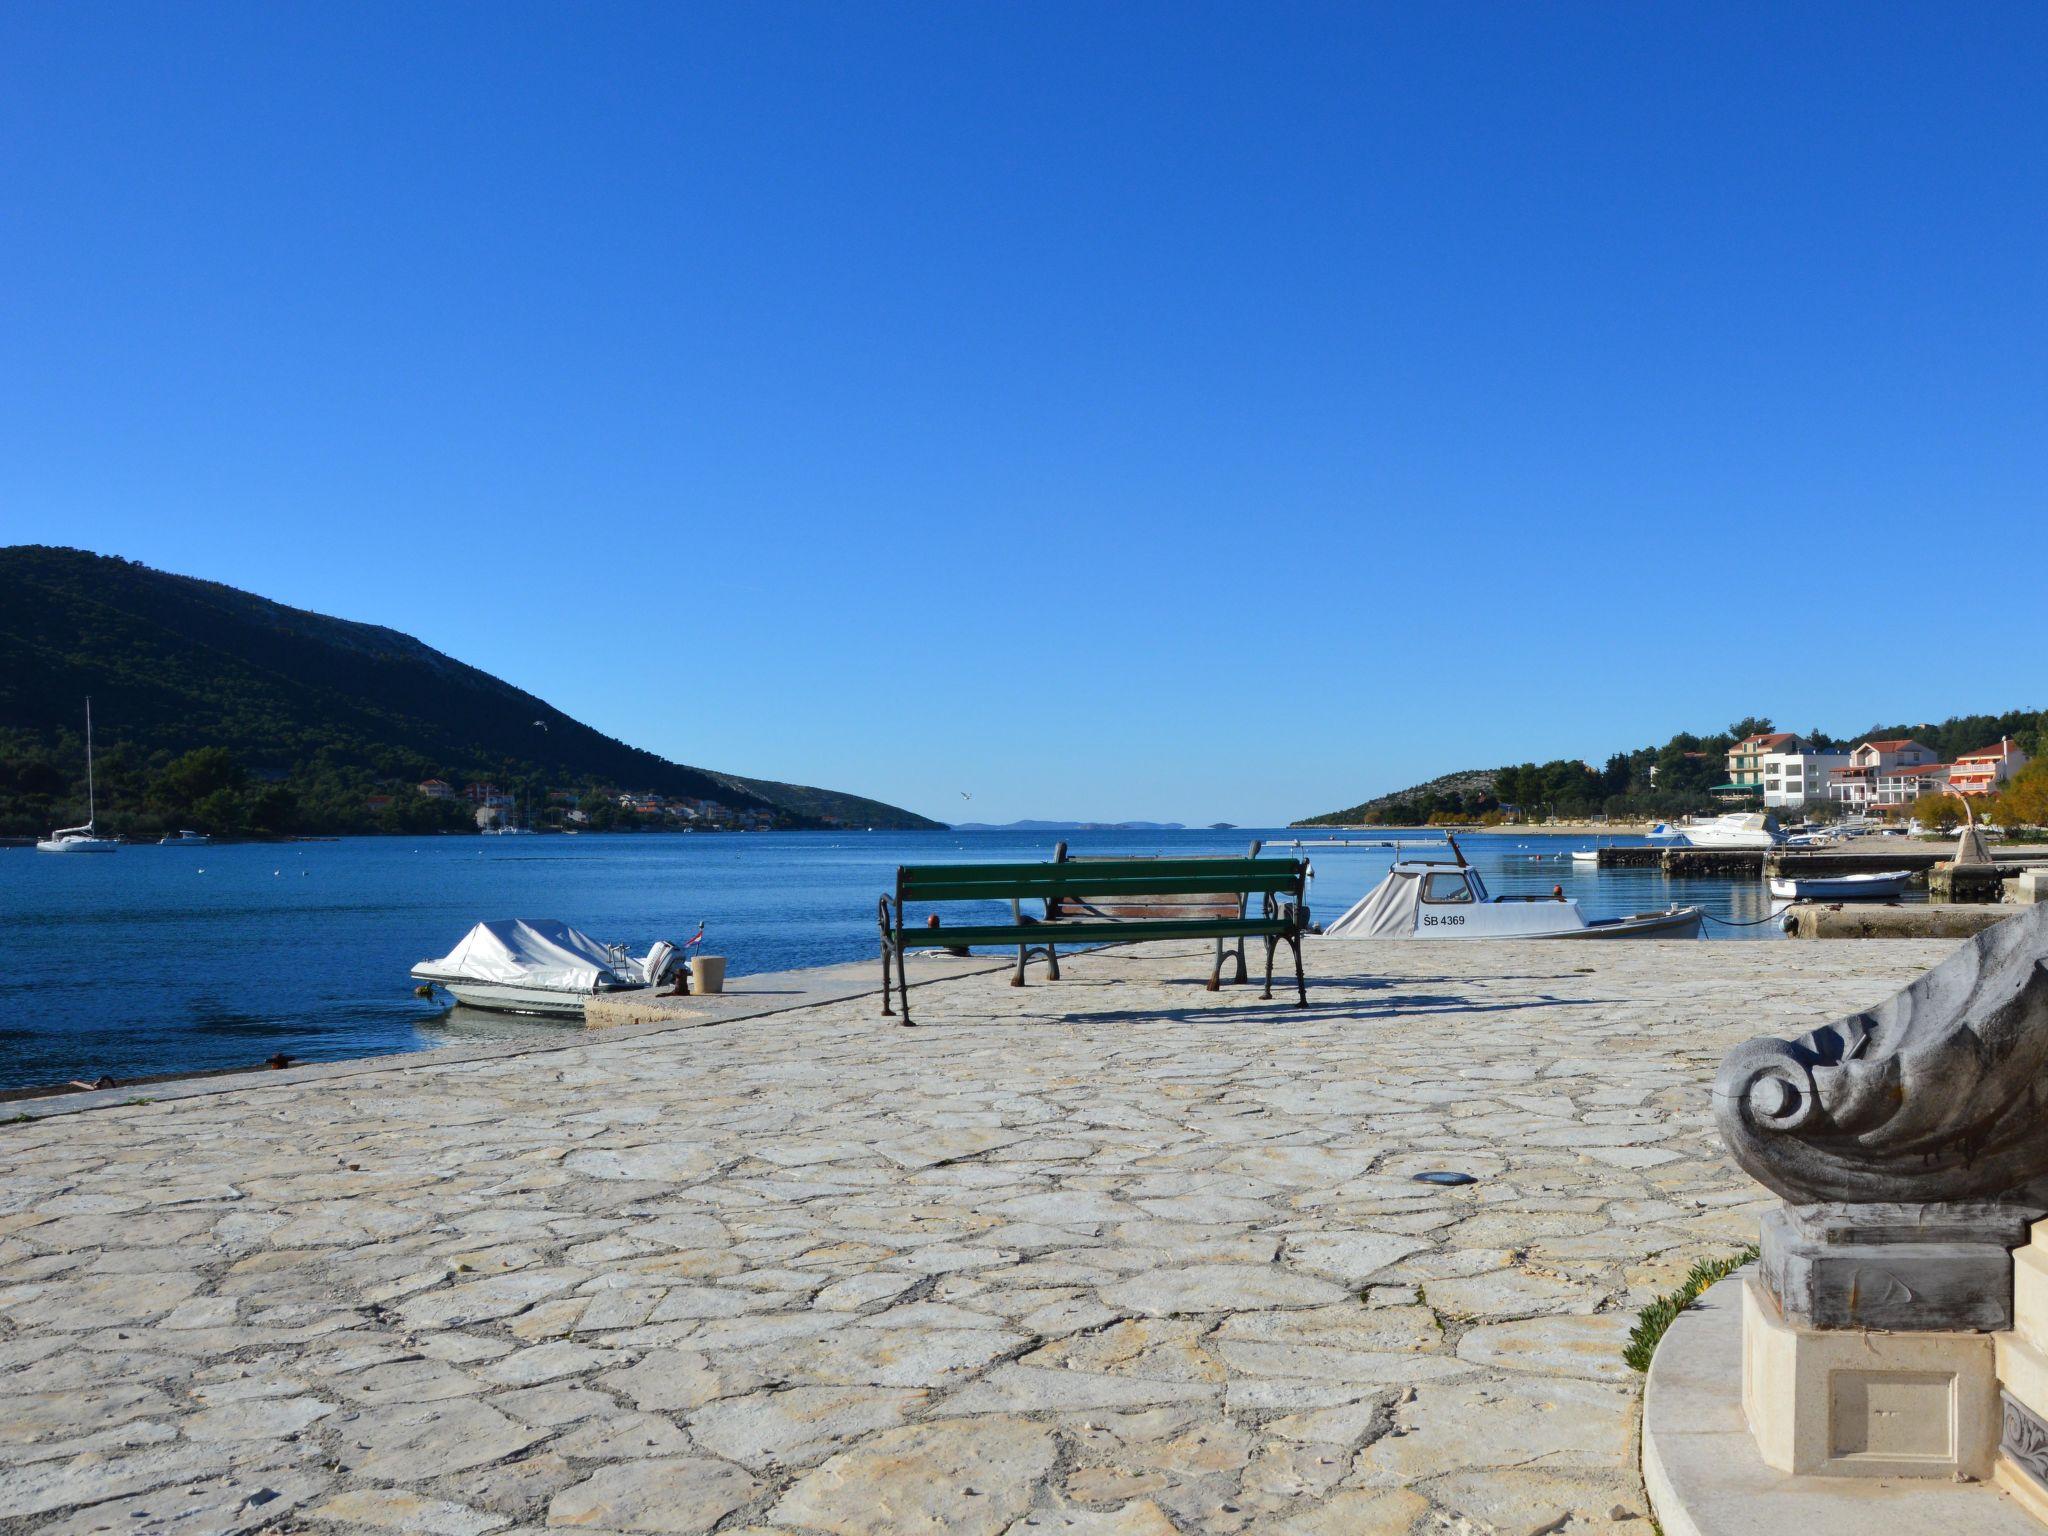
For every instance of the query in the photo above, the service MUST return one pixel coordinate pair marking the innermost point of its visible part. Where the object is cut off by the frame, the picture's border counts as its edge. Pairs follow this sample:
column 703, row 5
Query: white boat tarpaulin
column 528, row 952
column 1386, row 912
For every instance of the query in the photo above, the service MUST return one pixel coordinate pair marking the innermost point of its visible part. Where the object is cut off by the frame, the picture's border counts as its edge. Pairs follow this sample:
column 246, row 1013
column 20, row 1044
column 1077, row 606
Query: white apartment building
column 1793, row 779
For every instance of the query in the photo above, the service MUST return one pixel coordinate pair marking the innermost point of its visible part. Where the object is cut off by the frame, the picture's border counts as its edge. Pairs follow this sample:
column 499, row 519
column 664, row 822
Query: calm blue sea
column 159, row 959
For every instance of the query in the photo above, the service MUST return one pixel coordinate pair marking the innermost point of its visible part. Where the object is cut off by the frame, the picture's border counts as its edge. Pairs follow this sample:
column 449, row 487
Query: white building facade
column 1800, row 778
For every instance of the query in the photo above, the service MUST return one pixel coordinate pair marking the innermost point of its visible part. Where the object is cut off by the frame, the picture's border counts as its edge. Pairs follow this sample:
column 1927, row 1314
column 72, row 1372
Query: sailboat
column 82, row 839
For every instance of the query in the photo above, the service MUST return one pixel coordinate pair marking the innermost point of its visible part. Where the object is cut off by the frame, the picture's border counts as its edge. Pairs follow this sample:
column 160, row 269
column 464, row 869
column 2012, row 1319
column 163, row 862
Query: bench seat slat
column 1064, row 933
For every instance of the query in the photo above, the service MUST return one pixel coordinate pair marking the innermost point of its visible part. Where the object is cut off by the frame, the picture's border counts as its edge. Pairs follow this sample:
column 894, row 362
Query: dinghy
column 539, row 965
column 1871, row 887
column 1429, row 899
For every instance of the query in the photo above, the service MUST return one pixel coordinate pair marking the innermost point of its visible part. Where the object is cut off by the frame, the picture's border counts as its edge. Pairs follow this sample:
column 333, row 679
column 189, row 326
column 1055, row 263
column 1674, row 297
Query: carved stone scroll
column 1939, row 1093
column 1910, row 1143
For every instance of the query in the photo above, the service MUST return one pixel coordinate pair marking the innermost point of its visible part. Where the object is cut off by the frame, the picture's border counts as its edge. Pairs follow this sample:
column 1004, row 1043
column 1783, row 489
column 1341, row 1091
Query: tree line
column 1675, row 778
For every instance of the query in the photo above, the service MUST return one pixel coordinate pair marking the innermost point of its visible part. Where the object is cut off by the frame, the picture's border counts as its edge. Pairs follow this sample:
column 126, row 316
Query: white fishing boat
column 1429, row 899
column 1737, row 829
column 1877, row 886
column 85, row 839
column 539, row 965
column 183, row 839
column 1588, row 856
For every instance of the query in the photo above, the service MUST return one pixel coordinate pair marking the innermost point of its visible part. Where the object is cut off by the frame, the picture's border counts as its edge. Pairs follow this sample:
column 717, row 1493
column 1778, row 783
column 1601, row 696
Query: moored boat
column 186, row 838
column 539, row 965
column 1876, row 886
column 1430, row 899
column 1737, row 829
column 85, row 839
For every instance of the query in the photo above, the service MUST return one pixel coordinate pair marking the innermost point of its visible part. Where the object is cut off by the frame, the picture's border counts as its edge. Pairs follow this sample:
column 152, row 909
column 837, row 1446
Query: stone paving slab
column 1112, row 1255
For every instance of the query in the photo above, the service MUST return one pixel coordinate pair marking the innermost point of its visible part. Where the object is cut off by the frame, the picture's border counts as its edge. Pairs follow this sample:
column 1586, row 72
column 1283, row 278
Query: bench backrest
column 1101, row 880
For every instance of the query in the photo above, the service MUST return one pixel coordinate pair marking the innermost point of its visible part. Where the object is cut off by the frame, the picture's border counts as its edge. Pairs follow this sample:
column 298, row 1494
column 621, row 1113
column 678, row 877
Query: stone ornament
column 2023, row 1438
column 1938, row 1094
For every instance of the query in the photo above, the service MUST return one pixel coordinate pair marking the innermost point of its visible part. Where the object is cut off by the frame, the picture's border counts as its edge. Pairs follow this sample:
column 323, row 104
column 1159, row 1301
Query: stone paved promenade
column 1108, row 1257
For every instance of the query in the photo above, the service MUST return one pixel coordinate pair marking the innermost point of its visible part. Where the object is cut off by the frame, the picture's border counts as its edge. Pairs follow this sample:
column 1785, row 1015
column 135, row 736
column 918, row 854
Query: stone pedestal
column 1966, row 882
column 1841, row 1402
column 2030, row 887
column 2022, row 1359
column 1906, row 1266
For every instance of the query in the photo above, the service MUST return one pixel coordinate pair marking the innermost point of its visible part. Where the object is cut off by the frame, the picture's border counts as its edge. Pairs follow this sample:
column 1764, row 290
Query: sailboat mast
column 91, row 809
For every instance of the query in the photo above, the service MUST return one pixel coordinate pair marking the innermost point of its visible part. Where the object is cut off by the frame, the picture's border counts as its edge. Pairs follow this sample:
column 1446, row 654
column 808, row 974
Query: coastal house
column 1746, row 757
column 1888, row 773
column 437, row 789
column 1983, row 772
column 377, row 802
column 1746, row 761
column 1799, row 777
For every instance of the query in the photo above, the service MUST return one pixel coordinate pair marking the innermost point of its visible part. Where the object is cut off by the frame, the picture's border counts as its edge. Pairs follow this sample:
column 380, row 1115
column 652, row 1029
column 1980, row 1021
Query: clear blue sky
column 1334, row 395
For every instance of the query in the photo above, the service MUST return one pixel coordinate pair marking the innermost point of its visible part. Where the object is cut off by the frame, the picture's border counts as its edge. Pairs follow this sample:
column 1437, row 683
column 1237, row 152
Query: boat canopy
column 529, row 952
column 1389, row 909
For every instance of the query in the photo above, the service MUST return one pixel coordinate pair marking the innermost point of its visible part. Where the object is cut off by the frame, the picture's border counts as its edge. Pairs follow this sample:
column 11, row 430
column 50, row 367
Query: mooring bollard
column 707, row 972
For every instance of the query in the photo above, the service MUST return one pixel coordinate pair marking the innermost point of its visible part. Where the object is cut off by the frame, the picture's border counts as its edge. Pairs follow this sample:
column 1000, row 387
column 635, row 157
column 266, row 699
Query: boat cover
column 528, row 952
column 1387, row 911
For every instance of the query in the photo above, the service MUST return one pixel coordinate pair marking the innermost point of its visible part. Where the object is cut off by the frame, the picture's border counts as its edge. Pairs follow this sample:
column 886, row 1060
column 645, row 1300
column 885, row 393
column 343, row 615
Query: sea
column 160, row 960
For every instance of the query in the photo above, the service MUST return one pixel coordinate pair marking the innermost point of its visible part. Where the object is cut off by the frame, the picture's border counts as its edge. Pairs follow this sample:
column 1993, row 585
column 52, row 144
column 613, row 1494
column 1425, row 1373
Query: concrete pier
column 1111, row 1255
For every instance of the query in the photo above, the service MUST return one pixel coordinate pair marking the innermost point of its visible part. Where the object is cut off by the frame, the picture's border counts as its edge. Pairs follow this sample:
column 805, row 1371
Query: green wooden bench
column 1066, row 891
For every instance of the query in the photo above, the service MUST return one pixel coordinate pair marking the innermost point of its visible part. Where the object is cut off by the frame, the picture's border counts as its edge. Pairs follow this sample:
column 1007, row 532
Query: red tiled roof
column 1991, row 754
column 1894, row 745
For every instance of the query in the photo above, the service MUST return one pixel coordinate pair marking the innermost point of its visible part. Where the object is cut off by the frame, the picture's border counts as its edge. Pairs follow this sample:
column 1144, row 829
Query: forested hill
column 341, row 713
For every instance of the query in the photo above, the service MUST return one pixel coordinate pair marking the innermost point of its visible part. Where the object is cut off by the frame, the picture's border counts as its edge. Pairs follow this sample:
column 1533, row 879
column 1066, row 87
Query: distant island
column 1070, row 826
column 225, row 712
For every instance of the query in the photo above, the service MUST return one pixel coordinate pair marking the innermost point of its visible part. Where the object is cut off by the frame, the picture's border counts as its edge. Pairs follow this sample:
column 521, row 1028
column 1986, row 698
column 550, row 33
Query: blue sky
column 1191, row 412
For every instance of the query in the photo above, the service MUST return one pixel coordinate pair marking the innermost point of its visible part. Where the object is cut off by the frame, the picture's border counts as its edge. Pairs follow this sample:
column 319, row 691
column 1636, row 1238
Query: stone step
column 2022, row 1370
column 2030, row 1292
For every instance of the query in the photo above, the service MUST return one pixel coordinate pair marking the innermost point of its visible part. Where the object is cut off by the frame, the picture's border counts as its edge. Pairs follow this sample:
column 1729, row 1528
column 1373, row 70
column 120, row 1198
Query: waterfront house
column 437, row 789
column 1984, row 771
column 1874, row 775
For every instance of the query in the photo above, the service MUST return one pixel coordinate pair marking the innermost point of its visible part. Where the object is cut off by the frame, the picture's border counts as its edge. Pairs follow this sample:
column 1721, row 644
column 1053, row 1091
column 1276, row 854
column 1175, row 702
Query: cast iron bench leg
column 1216, row 970
column 1300, row 981
column 1271, row 944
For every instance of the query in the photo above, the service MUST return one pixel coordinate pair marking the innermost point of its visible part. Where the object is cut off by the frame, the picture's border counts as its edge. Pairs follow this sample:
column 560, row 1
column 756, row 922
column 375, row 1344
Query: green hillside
column 276, row 719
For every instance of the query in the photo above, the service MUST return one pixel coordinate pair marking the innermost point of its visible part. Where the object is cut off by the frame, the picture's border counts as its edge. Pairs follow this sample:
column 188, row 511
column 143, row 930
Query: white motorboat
column 539, row 965
column 85, row 839
column 183, row 839
column 1737, row 829
column 1664, row 832
column 1429, row 899
column 1586, row 856
column 1877, row 886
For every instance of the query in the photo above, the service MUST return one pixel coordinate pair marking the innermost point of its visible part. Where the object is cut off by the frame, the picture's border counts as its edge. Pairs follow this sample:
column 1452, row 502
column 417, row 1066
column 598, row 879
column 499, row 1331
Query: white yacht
column 1429, row 899
column 85, row 839
column 539, row 965
column 186, row 838
column 1736, row 829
